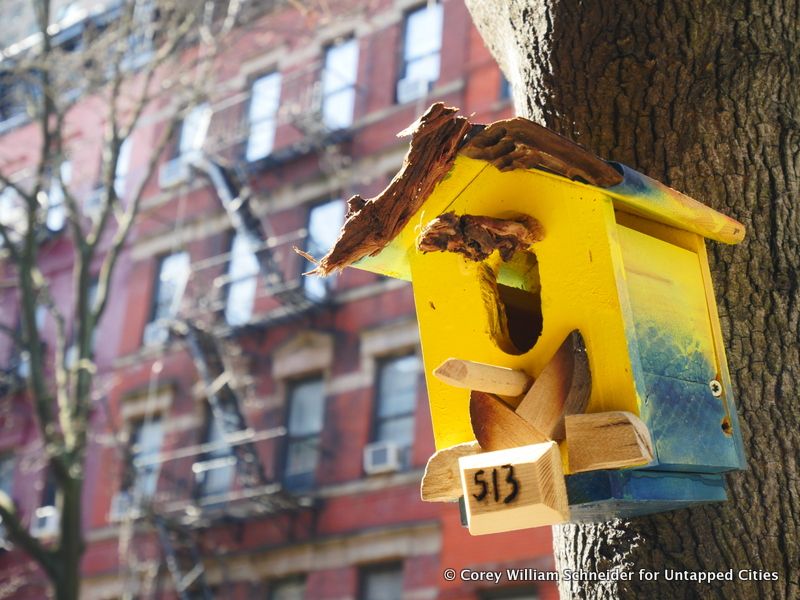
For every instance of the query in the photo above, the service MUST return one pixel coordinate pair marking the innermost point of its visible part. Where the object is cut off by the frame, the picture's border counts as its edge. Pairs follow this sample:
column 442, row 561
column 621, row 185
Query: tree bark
column 704, row 97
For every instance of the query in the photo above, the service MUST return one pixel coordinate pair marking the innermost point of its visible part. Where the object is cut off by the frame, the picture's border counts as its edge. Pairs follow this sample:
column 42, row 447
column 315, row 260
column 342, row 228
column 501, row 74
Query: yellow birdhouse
column 565, row 305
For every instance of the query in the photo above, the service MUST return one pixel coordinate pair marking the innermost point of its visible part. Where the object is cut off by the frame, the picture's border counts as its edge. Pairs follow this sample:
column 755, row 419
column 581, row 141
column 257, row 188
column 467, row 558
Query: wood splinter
column 561, row 389
column 608, row 440
column 497, row 427
column 482, row 377
column 442, row 479
column 476, row 237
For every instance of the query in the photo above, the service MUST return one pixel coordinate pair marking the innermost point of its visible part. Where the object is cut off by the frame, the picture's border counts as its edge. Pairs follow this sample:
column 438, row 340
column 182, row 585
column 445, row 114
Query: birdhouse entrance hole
column 520, row 302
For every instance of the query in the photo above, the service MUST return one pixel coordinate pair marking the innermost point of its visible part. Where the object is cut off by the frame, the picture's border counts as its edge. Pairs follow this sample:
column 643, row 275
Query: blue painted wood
column 605, row 495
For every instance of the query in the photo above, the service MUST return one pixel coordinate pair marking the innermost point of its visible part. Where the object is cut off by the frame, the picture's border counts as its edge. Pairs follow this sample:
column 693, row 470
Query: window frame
column 380, row 361
column 326, row 94
column 252, row 124
column 365, row 571
column 404, row 60
column 133, row 477
column 154, row 302
column 291, row 579
column 251, row 279
column 305, row 480
column 328, row 283
column 227, row 452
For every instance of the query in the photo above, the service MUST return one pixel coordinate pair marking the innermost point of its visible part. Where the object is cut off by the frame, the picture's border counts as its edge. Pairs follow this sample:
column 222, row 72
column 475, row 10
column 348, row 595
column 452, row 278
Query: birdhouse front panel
column 570, row 336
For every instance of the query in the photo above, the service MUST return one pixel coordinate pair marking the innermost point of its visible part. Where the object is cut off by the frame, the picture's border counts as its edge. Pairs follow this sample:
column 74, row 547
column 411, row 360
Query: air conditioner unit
column 155, row 333
column 174, row 172
column 381, row 457
column 122, row 506
column 93, row 203
column 45, row 522
column 412, row 89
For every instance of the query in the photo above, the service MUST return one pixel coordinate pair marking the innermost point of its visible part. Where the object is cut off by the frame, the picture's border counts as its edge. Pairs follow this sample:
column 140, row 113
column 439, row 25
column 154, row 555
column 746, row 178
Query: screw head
column 716, row 388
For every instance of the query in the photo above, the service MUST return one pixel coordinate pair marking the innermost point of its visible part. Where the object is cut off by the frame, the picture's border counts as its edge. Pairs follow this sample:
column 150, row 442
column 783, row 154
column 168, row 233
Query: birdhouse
column 572, row 348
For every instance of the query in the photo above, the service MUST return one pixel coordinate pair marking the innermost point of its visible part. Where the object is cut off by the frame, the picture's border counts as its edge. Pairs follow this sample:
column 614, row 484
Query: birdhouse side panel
column 684, row 402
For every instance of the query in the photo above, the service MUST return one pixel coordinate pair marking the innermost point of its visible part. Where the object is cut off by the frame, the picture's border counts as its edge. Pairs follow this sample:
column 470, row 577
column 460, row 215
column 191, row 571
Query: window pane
column 341, row 67
column 324, row 222
column 7, row 474
column 423, row 69
column 56, row 210
column 265, row 97
column 383, row 584
column 261, row 139
column 288, row 590
column 302, row 456
column 306, row 408
column 264, row 102
column 399, row 430
column 146, row 445
column 423, row 32
column 337, row 109
column 172, row 277
column 194, row 128
column 13, row 213
column 121, row 171
column 242, row 270
column 397, row 386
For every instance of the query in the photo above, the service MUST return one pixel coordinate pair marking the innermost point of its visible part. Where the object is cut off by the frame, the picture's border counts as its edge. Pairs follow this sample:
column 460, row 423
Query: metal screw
column 716, row 388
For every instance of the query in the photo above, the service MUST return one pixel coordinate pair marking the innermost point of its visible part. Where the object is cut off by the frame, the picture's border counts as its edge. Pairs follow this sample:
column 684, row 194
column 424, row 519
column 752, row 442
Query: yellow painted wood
column 578, row 291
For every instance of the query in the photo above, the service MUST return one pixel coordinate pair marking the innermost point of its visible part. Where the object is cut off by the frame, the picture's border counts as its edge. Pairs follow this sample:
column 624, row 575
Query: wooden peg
column 442, row 480
column 514, row 488
column 497, row 427
column 607, row 440
column 563, row 388
column 482, row 377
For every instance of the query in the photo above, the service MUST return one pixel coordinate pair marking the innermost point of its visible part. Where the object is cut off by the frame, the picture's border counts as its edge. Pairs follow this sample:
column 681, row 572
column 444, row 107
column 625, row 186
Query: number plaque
column 513, row 489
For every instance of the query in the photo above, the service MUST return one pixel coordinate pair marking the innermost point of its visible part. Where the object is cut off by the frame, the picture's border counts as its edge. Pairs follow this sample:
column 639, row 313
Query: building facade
column 257, row 433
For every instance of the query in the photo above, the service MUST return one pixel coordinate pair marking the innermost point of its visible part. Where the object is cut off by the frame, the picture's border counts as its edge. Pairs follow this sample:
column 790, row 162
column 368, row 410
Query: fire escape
column 260, row 492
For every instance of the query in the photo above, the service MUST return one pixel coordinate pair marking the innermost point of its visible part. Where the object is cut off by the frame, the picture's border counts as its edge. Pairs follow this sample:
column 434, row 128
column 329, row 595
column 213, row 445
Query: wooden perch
column 608, row 440
column 476, row 237
column 497, row 427
column 483, row 377
column 514, row 488
column 442, row 479
column 562, row 388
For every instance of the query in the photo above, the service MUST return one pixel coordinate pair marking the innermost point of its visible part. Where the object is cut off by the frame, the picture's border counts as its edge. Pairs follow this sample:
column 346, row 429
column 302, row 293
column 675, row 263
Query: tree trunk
column 704, row 97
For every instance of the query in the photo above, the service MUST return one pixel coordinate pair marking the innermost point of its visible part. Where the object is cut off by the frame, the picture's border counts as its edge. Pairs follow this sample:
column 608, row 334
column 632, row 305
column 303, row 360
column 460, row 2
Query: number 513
column 493, row 486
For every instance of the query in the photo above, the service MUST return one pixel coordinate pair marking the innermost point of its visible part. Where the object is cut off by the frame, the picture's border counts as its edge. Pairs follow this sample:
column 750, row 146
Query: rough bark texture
column 704, row 97
column 476, row 237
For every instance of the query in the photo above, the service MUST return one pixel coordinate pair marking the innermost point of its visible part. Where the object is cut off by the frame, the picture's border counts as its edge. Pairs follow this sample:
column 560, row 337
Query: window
column 122, row 166
column 146, row 441
column 243, row 271
column 56, row 210
column 306, row 408
column 12, row 99
column 173, row 273
column 505, row 88
column 422, row 45
column 139, row 46
column 193, row 131
column 324, row 221
column 397, row 399
column 6, row 484
column 339, row 84
column 288, row 589
column 216, row 471
column 13, row 214
column 264, row 101
column 384, row 582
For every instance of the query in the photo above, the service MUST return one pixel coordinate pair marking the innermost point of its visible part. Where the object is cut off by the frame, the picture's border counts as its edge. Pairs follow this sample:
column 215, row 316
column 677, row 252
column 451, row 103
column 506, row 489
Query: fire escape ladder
column 224, row 401
column 183, row 561
column 236, row 200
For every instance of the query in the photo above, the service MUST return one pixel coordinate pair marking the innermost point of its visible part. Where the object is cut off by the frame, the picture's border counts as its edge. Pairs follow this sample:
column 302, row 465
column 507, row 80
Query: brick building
column 257, row 434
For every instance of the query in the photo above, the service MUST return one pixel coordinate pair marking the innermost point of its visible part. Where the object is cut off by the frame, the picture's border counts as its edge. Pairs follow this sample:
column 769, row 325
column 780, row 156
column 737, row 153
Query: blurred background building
column 257, row 433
